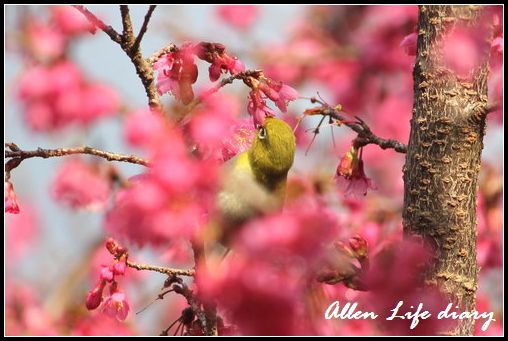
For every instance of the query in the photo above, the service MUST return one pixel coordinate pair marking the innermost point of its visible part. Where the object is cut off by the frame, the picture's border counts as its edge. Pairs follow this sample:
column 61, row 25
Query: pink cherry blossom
column 134, row 213
column 35, row 83
column 227, row 63
column 278, row 92
column 107, row 273
column 22, row 231
column 220, row 60
column 116, row 305
column 45, row 41
column 211, row 125
column 99, row 100
column 58, row 95
column 40, row 116
column 115, row 248
column 78, row 185
column 351, row 177
column 94, row 297
column 357, row 185
column 96, row 325
column 240, row 140
column 10, row 199
column 258, row 109
column 101, row 257
column 371, row 232
column 24, row 312
column 143, row 128
column 162, row 206
column 239, row 16
column 120, row 267
column 286, row 94
column 301, row 230
column 177, row 72
column 65, row 76
column 86, row 104
column 256, row 296
column 70, row 21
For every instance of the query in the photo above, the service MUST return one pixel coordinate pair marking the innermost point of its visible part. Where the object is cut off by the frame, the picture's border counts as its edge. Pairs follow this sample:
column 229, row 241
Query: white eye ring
column 262, row 133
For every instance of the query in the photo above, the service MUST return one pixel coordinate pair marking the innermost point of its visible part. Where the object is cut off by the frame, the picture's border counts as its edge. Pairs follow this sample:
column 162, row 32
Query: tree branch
column 144, row 69
column 17, row 155
column 161, row 269
column 127, row 33
column 365, row 134
column 490, row 108
column 156, row 55
column 143, row 28
column 110, row 31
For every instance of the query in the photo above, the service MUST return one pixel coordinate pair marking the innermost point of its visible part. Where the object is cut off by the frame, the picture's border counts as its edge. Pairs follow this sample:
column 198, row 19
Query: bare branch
column 365, row 134
column 161, row 269
column 126, row 41
column 20, row 155
column 143, row 28
column 110, row 31
column 127, row 32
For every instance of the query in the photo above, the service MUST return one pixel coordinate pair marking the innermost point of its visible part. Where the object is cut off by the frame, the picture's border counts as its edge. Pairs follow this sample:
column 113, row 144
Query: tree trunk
column 443, row 158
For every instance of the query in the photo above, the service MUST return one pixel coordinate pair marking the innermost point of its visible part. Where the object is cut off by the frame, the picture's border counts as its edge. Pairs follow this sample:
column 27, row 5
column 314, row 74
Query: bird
column 256, row 182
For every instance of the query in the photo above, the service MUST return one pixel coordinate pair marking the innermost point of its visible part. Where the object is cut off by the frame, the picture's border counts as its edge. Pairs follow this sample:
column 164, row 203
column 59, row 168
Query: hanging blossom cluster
column 53, row 91
column 177, row 72
column 116, row 304
column 49, row 40
column 263, row 88
column 170, row 201
column 57, row 95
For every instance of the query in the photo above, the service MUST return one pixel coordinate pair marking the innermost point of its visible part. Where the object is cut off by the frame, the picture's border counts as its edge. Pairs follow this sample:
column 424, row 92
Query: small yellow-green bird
column 256, row 184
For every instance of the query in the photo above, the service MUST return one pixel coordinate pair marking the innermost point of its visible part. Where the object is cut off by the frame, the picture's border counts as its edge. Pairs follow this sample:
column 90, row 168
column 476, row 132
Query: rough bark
column 444, row 150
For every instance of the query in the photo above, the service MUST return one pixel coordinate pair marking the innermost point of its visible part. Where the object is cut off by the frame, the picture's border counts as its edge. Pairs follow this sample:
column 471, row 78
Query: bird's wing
column 242, row 197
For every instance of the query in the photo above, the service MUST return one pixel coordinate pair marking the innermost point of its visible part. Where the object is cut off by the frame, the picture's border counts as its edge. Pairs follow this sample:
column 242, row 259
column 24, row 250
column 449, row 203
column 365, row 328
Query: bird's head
column 272, row 152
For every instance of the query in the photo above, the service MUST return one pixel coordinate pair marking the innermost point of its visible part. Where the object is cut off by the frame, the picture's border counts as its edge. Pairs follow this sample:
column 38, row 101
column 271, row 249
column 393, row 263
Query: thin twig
column 156, row 55
column 365, row 134
column 143, row 28
column 110, row 31
column 166, row 331
column 161, row 269
column 20, row 155
column 159, row 297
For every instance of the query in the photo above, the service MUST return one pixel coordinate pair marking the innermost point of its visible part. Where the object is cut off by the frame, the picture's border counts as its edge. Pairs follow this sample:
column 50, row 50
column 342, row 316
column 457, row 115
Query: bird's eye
column 262, row 133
